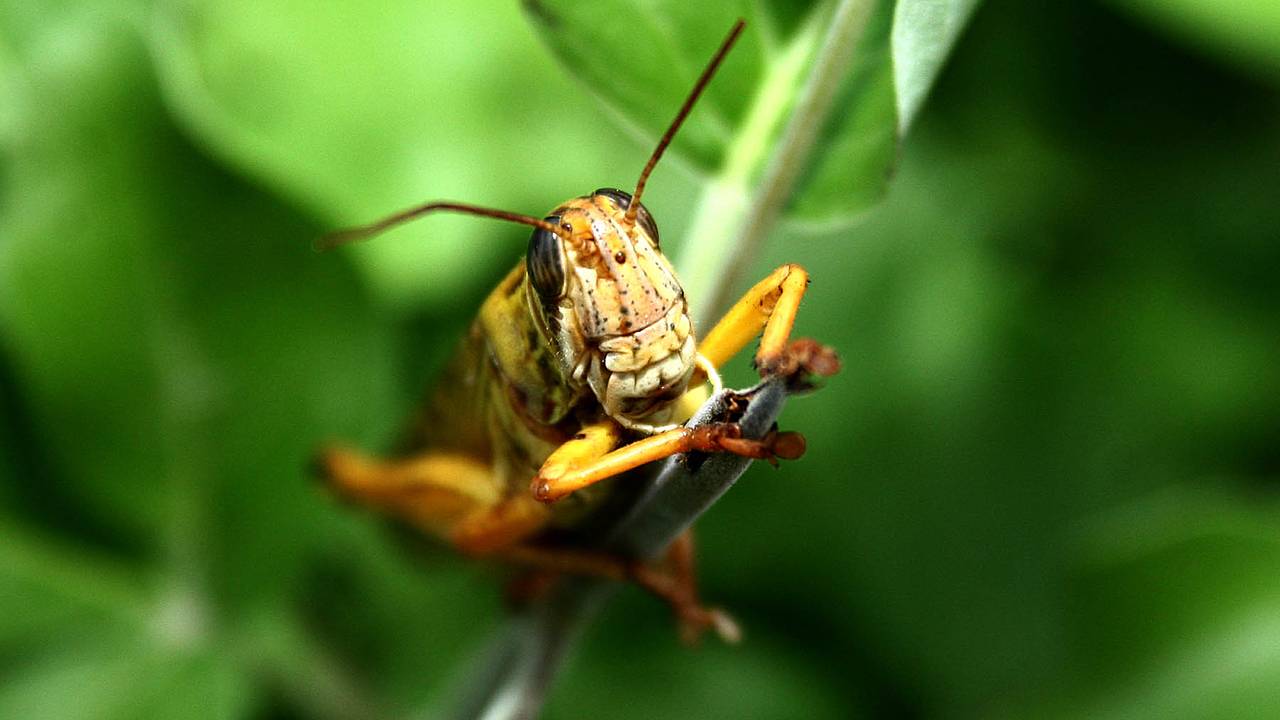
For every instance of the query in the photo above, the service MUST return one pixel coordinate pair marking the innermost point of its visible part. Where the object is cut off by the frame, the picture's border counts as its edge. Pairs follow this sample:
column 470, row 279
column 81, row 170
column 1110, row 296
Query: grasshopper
column 580, row 367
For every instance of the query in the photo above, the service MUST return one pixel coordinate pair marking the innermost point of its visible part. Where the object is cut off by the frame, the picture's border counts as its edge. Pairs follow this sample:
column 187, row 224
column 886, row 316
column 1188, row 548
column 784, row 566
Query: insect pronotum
column 580, row 366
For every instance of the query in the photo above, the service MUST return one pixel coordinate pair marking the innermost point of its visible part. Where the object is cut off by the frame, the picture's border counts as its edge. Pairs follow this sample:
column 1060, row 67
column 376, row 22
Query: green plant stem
column 719, row 250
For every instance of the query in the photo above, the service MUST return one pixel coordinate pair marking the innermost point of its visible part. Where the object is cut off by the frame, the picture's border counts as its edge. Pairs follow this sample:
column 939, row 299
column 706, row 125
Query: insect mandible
column 580, row 367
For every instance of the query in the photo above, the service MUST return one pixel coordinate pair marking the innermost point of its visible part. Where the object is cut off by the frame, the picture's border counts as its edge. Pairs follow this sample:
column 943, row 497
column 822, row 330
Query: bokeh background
column 1043, row 486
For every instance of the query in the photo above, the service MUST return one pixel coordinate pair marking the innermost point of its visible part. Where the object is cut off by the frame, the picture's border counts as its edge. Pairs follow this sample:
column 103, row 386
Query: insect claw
column 787, row 445
column 799, row 363
column 815, row 358
column 725, row 626
column 696, row 620
column 541, row 489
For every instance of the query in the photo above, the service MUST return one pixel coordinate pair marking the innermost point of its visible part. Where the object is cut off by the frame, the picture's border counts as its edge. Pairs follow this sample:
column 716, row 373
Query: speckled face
column 613, row 305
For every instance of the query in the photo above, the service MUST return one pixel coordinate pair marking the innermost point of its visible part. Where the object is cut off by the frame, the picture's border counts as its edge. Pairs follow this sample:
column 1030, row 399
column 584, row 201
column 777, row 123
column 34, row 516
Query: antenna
column 698, row 87
column 364, row 232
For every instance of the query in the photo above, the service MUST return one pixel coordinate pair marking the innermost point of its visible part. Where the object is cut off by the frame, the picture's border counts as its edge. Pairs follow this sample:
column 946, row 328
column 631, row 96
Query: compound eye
column 643, row 218
column 545, row 262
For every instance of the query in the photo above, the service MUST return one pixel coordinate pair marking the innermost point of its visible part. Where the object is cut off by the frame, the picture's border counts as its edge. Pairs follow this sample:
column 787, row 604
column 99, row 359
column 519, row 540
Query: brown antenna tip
column 698, row 87
column 364, row 232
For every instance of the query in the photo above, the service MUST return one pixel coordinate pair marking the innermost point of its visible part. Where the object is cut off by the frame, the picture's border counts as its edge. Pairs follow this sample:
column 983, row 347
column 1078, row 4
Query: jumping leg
column 451, row 496
column 433, row 491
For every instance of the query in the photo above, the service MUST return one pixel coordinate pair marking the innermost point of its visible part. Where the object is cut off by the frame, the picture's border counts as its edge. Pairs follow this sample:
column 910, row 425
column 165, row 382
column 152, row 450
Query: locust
column 581, row 366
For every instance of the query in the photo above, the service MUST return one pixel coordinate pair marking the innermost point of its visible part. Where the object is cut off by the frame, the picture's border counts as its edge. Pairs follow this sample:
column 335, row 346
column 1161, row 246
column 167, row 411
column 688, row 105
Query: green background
column 1044, row 484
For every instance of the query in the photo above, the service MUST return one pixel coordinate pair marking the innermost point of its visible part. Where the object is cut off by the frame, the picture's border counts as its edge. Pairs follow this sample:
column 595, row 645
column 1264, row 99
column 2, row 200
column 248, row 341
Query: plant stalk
column 719, row 252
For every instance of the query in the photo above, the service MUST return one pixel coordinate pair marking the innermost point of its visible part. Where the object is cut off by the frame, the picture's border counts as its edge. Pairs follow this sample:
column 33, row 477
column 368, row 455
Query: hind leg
column 433, row 491
column 456, row 498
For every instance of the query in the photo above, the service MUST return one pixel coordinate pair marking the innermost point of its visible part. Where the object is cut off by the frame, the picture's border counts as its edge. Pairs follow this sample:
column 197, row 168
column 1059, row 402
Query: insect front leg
column 584, row 461
column 769, row 310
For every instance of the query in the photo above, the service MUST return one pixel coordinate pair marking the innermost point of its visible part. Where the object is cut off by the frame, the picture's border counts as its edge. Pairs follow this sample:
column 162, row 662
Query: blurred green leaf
column 923, row 33
column 363, row 109
column 123, row 681
column 183, row 307
column 765, row 678
column 1174, row 613
column 642, row 59
column 47, row 591
column 1173, row 571
column 183, row 352
column 198, row 686
column 78, row 295
column 1245, row 32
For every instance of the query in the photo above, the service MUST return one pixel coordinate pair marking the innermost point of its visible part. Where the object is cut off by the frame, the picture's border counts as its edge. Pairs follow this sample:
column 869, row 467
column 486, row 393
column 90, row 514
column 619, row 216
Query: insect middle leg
column 673, row 580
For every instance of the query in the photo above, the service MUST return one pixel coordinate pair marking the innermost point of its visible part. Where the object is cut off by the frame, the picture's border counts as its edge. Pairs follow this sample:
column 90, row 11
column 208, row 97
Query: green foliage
column 1240, row 31
column 641, row 59
column 363, row 108
column 1184, row 612
column 923, row 33
column 1044, row 484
